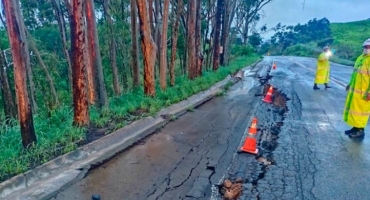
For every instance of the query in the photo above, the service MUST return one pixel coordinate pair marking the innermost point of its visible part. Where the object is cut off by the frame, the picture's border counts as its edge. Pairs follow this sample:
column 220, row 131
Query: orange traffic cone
column 268, row 97
column 250, row 144
column 274, row 65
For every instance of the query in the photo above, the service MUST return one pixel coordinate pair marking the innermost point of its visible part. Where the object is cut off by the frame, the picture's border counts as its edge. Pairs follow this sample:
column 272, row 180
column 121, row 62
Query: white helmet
column 325, row 48
column 366, row 43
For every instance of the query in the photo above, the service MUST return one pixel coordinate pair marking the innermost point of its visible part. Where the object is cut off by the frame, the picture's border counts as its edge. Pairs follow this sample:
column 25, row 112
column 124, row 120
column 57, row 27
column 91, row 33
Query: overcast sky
column 292, row 12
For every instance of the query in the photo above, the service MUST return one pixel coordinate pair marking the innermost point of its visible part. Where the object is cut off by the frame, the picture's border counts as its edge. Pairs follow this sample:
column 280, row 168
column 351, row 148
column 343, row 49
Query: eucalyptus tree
column 163, row 47
column 148, row 47
column 226, row 37
column 134, row 45
column 95, row 61
column 192, row 13
column 20, row 54
column 175, row 33
column 80, row 101
column 248, row 11
column 216, row 39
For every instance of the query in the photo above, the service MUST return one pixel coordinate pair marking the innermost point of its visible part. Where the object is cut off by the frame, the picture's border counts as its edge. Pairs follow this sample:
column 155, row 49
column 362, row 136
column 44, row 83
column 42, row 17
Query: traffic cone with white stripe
column 268, row 97
column 250, row 144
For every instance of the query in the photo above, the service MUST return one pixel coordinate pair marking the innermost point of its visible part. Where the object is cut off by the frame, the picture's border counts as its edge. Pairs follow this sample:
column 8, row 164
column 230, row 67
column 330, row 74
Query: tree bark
column 148, row 48
column 135, row 49
column 216, row 50
column 59, row 15
column 113, row 48
column 80, row 102
column 208, row 44
column 20, row 53
column 9, row 104
column 97, row 75
column 32, row 88
column 90, row 69
column 175, row 33
column 198, row 27
column 229, row 19
column 191, row 40
column 163, row 47
column 225, row 31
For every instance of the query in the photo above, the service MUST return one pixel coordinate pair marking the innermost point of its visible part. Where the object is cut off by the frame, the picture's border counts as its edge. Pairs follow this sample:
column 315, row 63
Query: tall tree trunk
column 9, row 104
column 135, row 48
column 191, row 40
column 163, row 47
column 80, row 102
column 20, row 53
column 32, row 88
column 157, row 33
column 175, row 33
column 151, row 18
column 208, row 44
column 216, row 50
column 225, row 31
column 94, row 54
column 59, row 15
column 113, row 48
column 198, row 32
column 44, row 68
column 90, row 69
column 148, row 48
column 228, row 38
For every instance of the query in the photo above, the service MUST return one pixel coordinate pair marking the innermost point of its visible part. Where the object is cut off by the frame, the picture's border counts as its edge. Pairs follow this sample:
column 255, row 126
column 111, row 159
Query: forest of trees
column 314, row 31
column 82, row 53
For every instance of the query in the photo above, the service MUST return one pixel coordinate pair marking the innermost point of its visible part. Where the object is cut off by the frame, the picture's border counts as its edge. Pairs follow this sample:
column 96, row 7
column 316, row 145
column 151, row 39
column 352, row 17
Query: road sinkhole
column 271, row 119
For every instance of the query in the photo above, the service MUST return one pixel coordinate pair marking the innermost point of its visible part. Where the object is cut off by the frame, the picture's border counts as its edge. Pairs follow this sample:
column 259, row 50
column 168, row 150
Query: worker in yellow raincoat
column 357, row 107
column 323, row 69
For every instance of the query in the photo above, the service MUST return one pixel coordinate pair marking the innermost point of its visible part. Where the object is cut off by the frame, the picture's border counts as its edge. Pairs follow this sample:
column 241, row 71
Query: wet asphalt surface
column 304, row 153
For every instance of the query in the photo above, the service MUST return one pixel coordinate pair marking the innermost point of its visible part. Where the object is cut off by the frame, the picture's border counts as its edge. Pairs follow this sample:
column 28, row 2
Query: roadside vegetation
column 57, row 135
column 345, row 39
column 74, row 71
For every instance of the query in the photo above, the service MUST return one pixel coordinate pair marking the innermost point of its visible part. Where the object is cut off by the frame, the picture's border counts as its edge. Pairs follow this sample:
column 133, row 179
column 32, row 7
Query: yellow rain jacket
column 323, row 69
column 357, row 110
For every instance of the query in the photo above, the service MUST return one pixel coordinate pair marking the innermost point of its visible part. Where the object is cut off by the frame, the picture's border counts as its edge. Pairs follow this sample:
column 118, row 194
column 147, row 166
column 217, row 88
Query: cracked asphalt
column 306, row 152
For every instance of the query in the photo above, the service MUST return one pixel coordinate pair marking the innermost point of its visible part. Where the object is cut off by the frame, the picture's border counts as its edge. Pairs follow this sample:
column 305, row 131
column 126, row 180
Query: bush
column 242, row 50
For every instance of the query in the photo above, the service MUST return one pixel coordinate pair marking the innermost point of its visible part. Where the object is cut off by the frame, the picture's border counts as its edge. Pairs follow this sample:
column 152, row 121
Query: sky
column 292, row 12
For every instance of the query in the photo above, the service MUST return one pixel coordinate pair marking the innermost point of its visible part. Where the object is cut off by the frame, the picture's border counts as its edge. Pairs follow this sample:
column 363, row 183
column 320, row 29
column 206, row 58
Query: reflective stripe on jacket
column 323, row 69
column 357, row 110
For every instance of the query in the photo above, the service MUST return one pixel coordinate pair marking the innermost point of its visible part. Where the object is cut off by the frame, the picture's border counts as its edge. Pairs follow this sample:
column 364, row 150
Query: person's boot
column 352, row 130
column 357, row 134
column 326, row 86
column 315, row 87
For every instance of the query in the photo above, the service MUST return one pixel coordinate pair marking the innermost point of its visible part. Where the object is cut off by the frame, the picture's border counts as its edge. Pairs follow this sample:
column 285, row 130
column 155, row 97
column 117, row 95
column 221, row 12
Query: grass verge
column 57, row 136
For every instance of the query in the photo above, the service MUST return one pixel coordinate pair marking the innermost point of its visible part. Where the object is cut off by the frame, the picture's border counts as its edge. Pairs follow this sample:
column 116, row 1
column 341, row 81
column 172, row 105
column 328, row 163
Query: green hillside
column 350, row 33
column 348, row 37
column 308, row 39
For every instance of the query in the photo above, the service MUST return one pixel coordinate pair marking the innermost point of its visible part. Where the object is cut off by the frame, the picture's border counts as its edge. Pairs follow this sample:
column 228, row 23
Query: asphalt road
column 304, row 153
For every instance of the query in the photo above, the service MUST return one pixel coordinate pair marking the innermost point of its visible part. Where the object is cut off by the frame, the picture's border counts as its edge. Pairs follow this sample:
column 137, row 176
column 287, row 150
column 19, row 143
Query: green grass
column 57, row 136
column 348, row 38
column 351, row 33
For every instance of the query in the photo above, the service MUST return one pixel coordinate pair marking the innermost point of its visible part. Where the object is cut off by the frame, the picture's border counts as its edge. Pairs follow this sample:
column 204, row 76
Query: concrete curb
column 47, row 180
